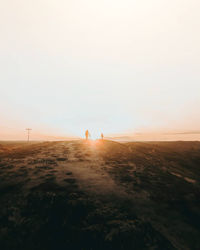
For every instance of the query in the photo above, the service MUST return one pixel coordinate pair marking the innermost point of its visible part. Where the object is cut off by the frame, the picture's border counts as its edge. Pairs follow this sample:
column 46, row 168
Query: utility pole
column 28, row 131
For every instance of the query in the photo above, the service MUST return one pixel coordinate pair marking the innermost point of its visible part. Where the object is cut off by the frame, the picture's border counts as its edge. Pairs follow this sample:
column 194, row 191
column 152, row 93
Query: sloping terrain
column 100, row 195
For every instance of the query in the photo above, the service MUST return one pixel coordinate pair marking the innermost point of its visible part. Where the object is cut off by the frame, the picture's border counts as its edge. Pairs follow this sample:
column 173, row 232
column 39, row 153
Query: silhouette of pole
column 28, row 133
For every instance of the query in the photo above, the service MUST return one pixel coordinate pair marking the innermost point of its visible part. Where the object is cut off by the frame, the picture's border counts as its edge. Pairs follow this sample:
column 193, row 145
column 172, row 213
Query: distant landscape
column 99, row 195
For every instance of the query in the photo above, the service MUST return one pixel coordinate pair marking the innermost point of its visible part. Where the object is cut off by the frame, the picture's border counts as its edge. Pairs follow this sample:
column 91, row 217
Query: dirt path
column 85, row 166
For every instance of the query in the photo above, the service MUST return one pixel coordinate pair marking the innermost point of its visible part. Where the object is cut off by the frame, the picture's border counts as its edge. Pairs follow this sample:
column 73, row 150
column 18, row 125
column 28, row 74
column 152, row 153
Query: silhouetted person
column 87, row 134
column 102, row 136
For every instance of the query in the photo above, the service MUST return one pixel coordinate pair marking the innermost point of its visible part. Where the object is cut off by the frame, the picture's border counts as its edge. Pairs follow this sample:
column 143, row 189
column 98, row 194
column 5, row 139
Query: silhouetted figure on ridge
column 102, row 136
column 87, row 134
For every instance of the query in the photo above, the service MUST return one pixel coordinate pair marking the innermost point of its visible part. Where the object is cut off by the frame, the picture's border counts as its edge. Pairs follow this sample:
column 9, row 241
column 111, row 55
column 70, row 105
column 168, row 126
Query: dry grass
column 99, row 195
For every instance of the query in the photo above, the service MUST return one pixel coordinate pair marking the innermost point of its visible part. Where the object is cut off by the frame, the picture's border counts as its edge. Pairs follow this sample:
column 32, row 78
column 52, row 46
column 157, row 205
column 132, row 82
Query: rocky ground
column 99, row 195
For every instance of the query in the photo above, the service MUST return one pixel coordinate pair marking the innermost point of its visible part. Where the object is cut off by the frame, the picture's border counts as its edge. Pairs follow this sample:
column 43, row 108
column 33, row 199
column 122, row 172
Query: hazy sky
column 111, row 65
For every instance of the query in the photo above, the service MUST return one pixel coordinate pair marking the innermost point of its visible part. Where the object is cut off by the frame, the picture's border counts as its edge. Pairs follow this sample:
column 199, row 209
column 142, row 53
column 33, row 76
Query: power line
column 28, row 133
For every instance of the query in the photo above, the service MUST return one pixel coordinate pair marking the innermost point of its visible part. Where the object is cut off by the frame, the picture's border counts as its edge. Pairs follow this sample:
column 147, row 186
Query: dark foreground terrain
column 99, row 195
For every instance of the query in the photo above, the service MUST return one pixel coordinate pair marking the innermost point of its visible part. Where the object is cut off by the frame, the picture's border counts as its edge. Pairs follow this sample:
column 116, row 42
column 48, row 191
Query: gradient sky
column 117, row 66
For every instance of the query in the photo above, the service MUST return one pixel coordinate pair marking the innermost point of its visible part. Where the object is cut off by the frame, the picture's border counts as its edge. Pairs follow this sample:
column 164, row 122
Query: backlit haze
column 129, row 69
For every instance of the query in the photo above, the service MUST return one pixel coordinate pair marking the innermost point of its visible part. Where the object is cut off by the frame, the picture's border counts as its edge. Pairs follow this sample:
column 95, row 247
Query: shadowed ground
column 99, row 195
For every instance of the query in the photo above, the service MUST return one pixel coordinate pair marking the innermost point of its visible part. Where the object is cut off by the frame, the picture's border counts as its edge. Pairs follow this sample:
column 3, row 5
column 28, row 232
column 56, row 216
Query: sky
column 119, row 67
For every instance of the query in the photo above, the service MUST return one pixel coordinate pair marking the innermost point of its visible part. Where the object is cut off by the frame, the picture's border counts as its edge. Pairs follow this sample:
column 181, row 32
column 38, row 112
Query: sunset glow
column 117, row 67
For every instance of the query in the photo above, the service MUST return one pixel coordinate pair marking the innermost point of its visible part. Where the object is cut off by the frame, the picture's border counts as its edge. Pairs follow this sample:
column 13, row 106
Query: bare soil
column 99, row 195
